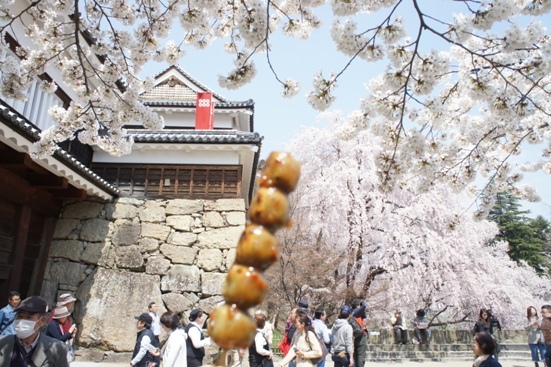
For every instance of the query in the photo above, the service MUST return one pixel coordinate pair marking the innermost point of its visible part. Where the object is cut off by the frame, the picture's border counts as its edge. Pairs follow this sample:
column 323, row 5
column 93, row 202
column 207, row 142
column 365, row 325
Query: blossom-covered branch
column 467, row 91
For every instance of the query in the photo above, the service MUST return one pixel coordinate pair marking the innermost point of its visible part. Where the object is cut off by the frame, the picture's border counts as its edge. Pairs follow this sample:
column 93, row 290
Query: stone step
column 441, row 347
column 439, row 356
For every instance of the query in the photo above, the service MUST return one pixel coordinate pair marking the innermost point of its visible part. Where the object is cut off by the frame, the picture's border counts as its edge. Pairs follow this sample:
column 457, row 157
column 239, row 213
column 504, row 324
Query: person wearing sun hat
column 67, row 300
column 28, row 347
column 55, row 327
column 57, row 331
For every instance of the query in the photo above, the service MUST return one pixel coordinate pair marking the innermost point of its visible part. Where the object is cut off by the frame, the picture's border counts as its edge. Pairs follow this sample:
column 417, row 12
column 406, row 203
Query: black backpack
column 357, row 330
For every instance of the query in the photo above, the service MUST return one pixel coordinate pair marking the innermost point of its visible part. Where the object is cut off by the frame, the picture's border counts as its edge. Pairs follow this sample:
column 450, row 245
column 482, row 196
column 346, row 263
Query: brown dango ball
column 257, row 247
column 244, row 287
column 269, row 208
column 281, row 170
column 230, row 327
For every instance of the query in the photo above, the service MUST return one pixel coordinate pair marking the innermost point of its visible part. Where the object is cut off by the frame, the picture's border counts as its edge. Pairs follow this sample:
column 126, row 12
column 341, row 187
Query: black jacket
column 148, row 356
column 490, row 362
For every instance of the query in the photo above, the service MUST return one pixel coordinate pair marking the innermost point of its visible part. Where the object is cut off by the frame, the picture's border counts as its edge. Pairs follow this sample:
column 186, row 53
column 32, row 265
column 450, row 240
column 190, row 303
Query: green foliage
column 527, row 237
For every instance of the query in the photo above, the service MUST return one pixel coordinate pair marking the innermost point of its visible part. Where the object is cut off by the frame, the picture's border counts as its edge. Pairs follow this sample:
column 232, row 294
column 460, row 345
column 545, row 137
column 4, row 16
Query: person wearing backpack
column 359, row 332
column 322, row 332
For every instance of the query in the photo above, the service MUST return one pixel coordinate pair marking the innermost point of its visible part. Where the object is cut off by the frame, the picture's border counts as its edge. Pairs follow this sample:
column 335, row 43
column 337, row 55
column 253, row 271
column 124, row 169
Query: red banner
column 204, row 111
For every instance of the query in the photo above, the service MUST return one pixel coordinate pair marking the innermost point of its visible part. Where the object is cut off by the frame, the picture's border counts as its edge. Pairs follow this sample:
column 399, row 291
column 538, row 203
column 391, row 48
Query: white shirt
column 156, row 325
column 259, row 342
column 194, row 335
column 268, row 331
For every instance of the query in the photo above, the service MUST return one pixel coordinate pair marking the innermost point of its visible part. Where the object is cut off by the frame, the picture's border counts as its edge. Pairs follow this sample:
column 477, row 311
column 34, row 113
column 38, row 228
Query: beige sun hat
column 60, row 312
column 64, row 299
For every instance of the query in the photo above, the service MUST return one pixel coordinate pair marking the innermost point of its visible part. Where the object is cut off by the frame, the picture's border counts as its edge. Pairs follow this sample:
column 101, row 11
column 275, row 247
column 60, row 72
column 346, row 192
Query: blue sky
column 277, row 118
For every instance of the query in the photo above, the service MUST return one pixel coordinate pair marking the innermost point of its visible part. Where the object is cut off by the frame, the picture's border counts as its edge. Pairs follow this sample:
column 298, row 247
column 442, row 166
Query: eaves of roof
column 196, row 137
column 218, row 105
column 26, row 128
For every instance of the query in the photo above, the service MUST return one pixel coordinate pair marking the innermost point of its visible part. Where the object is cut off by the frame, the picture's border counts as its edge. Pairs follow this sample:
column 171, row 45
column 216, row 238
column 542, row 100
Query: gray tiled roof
column 197, row 137
column 31, row 132
column 219, row 105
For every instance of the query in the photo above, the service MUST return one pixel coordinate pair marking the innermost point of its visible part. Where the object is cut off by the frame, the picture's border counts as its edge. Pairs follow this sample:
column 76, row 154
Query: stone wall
column 119, row 256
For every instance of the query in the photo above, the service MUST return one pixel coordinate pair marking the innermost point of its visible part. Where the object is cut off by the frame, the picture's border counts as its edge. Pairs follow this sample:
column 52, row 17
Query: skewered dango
column 257, row 247
column 229, row 325
column 281, row 171
column 270, row 208
column 244, row 287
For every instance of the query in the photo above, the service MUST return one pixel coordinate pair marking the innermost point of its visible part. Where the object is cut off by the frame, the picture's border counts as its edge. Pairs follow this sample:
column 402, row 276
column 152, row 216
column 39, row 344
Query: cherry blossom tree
column 460, row 108
column 400, row 249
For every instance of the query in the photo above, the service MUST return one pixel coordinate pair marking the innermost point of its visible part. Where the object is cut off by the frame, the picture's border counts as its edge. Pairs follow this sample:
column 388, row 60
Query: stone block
column 128, row 257
column 67, row 272
column 220, row 238
column 181, row 222
column 126, row 234
column 182, row 278
column 225, row 205
column 192, row 297
column 94, row 253
column 230, row 258
column 208, row 304
column 182, row 238
column 122, row 211
column 112, row 298
column 130, row 201
column 157, row 265
column 49, row 291
column 179, row 254
column 210, row 259
column 153, row 213
column 94, row 230
column 83, row 210
column 213, row 220
column 211, row 283
column 183, row 206
column 148, row 245
column 236, row 218
column 176, row 302
column 70, row 249
column 155, row 230
column 89, row 355
column 64, row 227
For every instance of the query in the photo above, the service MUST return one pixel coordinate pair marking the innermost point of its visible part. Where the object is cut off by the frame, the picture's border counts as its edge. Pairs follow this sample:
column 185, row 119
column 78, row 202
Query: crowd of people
column 306, row 342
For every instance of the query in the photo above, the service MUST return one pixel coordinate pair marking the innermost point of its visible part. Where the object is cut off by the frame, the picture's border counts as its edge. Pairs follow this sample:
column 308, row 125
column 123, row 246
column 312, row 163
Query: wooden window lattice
column 169, row 181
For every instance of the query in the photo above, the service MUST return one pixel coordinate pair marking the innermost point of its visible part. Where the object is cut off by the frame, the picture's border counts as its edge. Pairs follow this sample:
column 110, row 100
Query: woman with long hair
column 483, row 323
column 484, row 347
column 534, row 335
column 304, row 346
